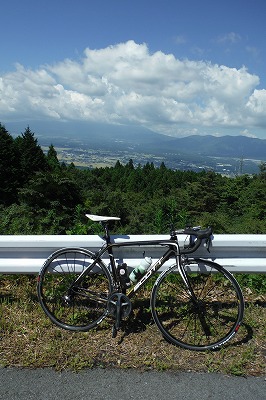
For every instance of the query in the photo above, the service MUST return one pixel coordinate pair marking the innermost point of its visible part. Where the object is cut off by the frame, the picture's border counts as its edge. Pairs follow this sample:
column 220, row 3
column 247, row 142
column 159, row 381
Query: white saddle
column 101, row 218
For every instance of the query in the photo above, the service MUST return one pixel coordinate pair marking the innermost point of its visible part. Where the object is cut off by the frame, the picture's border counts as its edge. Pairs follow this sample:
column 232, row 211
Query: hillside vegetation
column 40, row 195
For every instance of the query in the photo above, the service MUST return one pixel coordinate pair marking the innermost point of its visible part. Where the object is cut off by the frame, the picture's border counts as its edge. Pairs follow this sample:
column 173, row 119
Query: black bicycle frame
column 172, row 251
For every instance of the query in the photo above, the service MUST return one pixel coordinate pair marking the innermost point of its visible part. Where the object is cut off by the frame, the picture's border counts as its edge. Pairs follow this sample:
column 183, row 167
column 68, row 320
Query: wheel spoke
column 203, row 321
column 70, row 300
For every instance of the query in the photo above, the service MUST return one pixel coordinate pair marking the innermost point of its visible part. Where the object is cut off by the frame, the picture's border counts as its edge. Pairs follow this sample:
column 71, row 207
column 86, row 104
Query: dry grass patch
column 29, row 339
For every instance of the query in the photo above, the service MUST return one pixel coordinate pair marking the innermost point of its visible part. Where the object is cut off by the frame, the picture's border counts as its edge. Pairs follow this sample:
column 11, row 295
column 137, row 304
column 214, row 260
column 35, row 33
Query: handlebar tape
column 201, row 234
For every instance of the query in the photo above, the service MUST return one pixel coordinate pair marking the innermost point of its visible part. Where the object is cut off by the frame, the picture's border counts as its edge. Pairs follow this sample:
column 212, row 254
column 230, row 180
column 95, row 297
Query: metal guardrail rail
column 26, row 254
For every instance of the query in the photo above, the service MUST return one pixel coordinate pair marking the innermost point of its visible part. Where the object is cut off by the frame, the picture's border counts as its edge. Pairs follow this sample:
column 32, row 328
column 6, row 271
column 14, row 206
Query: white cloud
column 257, row 102
column 180, row 39
column 246, row 132
column 125, row 83
column 253, row 51
column 256, row 108
column 231, row 37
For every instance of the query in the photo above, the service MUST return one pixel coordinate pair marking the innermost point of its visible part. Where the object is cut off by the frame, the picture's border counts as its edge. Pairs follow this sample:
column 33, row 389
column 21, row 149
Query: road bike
column 196, row 303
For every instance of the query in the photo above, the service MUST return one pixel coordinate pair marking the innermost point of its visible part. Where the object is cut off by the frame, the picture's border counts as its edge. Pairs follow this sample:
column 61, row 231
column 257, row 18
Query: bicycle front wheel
column 71, row 302
column 201, row 314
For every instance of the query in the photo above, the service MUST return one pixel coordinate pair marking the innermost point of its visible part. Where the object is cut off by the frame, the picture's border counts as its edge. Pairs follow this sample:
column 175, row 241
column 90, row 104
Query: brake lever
column 208, row 243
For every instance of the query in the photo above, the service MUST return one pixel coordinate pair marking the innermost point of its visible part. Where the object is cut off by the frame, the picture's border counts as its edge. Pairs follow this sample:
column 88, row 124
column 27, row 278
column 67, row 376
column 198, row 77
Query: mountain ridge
column 138, row 139
column 223, row 146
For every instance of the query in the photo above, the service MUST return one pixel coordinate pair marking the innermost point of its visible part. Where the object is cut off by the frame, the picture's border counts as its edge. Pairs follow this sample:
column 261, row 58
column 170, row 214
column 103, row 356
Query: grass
column 29, row 339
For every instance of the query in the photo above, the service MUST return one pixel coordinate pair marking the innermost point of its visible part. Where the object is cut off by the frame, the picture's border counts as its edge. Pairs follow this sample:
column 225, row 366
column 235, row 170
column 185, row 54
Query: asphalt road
column 105, row 384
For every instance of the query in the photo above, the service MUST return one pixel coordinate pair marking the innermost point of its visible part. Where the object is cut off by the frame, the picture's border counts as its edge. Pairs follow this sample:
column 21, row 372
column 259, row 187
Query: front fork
column 181, row 261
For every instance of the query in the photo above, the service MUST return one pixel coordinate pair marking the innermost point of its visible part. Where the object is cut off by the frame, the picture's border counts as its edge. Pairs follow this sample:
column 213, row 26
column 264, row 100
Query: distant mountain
column 137, row 139
column 223, row 146
column 132, row 138
column 92, row 134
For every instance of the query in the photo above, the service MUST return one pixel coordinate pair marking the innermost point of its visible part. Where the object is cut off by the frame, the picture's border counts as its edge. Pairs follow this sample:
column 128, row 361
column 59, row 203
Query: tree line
column 41, row 195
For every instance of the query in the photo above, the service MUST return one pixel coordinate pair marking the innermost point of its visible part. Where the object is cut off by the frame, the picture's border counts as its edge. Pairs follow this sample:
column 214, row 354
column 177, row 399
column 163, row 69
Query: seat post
column 106, row 231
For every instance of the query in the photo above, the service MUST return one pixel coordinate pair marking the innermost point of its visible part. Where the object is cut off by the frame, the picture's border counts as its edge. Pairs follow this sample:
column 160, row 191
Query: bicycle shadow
column 141, row 317
column 138, row 320
column 249, row 334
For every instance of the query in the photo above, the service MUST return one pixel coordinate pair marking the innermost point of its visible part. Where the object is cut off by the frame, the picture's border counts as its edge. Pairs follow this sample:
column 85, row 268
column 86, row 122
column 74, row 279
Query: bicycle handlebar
column 199, row 233
column 196, row 236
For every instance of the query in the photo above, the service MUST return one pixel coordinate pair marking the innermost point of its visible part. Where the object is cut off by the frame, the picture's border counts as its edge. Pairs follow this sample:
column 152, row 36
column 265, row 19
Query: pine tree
column 8, row 168
column 52, row 159
column 31, row 156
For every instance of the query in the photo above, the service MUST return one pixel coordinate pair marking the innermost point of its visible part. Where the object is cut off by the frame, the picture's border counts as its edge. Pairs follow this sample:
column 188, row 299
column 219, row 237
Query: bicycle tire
column 208, row 321
column 75, row 307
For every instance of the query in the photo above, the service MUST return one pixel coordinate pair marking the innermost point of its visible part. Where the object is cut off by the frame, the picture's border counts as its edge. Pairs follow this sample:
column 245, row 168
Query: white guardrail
column 26, row 254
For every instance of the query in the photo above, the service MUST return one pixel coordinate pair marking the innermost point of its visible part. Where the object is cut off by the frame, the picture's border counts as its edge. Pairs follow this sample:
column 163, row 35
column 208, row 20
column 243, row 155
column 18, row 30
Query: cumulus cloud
column 125, row 84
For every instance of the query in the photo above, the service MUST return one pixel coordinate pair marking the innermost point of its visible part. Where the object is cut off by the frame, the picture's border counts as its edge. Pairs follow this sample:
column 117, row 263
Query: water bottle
column 140, row 270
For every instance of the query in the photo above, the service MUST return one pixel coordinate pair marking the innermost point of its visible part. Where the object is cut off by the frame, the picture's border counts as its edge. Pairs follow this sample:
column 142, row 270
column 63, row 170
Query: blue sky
column 174, row 67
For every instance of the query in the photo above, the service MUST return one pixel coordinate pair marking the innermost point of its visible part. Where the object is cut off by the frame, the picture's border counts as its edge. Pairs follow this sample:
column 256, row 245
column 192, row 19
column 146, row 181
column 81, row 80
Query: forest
column 41, row 195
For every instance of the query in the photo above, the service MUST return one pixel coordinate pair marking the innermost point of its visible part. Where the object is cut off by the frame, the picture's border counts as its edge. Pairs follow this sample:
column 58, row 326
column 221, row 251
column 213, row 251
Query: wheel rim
column 79, row 306
column 200, row 324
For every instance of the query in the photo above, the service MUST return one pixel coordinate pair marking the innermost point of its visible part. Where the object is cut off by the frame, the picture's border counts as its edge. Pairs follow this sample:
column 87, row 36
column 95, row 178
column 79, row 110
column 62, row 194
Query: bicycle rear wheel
column 203, row 317
column 72, row 304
